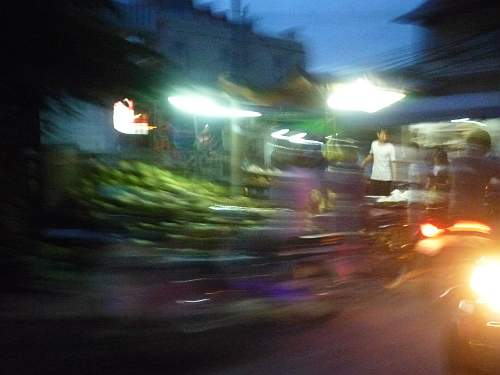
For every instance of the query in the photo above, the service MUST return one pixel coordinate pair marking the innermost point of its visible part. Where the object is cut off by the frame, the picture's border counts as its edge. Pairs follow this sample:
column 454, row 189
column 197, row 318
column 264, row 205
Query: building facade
column 204, row 44
column 200, row 44
column 459, row 45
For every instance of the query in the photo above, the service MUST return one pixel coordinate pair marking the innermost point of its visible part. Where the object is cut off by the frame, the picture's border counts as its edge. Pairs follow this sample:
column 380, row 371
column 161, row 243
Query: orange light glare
column 470, row 226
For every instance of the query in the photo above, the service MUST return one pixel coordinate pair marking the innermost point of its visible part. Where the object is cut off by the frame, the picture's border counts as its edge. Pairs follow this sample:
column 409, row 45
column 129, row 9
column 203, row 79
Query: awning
column 427, row 109
column 298, row 92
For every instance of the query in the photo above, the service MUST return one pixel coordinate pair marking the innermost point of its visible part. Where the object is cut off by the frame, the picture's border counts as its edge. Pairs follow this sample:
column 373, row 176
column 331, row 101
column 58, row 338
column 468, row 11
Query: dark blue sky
column 339, row 34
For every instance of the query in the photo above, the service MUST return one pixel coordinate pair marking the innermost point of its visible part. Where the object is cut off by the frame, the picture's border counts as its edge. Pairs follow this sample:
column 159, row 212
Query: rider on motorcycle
column 470, row 175
column 471, row 337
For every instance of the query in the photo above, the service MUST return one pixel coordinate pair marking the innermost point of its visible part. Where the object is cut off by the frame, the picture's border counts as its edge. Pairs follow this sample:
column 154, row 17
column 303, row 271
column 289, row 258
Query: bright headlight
column 485, row 282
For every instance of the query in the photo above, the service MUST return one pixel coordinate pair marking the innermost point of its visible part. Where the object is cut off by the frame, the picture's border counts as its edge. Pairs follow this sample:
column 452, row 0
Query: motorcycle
column 472, row 335
column 464, row 277
column 305, row 279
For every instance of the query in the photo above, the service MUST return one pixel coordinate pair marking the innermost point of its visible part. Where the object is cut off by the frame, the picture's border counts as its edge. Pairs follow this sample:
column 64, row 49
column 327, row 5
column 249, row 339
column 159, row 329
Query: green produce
column 155, row 205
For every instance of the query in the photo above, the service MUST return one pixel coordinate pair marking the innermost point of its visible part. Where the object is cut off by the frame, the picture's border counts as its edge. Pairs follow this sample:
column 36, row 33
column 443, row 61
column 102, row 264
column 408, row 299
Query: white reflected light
column 461, row 119
column 206, row 107
column 280, row 134
column 468, row 121
column 298, row 138
column 194, row 300
column 363, row 96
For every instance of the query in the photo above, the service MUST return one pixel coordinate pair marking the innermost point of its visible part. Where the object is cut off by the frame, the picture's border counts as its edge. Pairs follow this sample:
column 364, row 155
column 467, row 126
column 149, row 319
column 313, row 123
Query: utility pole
column 236, row 9
column 236, row 39
column 235, row 153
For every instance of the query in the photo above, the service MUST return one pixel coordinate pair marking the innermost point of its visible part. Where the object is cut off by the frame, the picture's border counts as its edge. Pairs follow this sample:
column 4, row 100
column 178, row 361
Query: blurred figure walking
column 438, row 179
column 438, row 184
column 417, row 173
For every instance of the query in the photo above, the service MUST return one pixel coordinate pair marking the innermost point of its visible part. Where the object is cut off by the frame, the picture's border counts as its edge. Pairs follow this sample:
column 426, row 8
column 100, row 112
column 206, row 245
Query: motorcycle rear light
column 429, row 230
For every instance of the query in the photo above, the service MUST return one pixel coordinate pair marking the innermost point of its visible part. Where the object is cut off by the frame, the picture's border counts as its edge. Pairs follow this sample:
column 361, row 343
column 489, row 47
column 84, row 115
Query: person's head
column 382, row 135
column 479, row 140
column 440, row 157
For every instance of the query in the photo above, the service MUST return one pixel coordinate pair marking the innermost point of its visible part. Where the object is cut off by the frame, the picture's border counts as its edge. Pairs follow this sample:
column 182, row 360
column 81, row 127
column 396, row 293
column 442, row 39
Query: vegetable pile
column 155, row 206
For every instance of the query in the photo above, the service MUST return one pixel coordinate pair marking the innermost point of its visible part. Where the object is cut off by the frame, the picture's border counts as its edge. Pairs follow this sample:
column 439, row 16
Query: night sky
column 341, row 35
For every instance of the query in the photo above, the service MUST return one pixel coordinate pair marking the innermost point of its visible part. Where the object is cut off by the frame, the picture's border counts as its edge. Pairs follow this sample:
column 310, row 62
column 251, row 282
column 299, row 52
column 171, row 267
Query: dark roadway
column 388, row 334
column 381, row 333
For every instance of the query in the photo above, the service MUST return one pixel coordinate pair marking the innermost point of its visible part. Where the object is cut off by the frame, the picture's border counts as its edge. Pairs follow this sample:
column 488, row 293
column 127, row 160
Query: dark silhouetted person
column 470, row 175
column 439, row 179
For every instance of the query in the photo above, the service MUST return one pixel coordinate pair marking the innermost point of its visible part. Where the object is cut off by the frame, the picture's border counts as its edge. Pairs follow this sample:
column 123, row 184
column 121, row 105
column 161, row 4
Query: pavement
column 392, row 333
column 384, row 332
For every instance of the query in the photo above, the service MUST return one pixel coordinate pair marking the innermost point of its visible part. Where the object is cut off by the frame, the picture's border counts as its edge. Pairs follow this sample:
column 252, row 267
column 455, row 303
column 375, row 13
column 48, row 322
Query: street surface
column 384, row 332
column 389, row 334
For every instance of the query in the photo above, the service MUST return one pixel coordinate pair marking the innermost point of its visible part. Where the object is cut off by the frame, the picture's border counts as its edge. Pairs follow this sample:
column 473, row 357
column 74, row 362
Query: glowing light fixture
column 362, row 95
column 206, row 107
column 126, row 121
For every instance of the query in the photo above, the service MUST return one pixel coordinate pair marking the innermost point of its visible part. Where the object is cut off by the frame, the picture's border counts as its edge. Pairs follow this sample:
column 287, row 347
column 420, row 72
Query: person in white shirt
column 382, row 154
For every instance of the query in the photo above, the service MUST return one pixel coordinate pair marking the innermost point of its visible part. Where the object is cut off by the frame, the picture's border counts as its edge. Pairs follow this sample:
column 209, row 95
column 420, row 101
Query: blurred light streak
column 194, row 301
column 189, row 281
column 213, row 293
column 298, row 138
column 472, row 226
column 468, row 121
column 280, row 134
